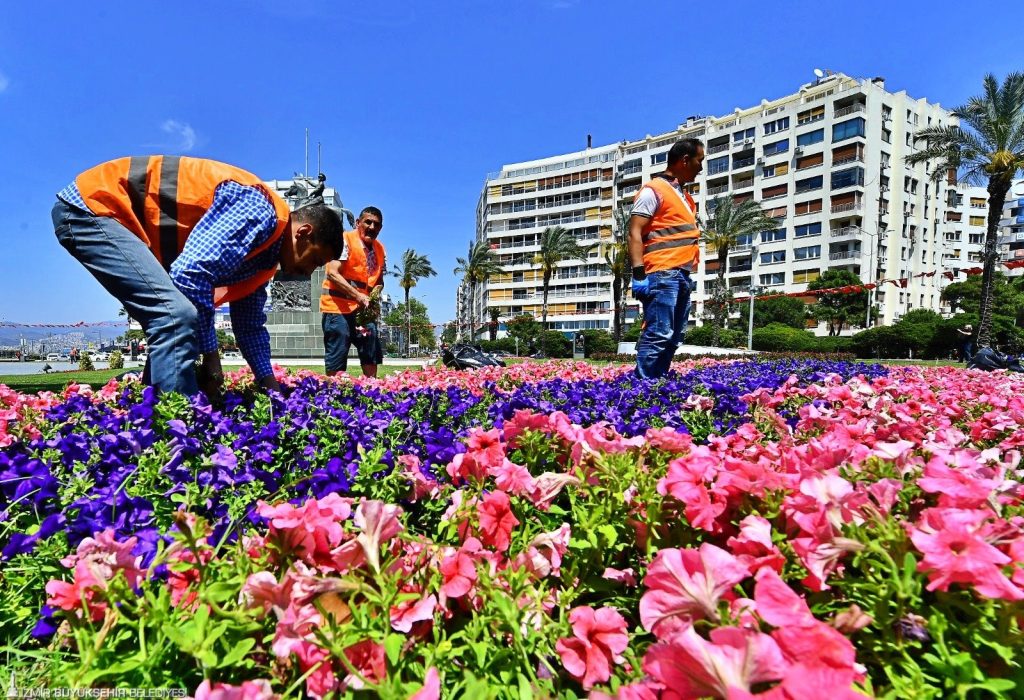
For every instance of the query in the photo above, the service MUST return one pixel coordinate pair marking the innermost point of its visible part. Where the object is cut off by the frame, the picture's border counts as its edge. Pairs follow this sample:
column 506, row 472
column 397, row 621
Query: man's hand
column 363, row 300
column 269, row 382
column 210, row 376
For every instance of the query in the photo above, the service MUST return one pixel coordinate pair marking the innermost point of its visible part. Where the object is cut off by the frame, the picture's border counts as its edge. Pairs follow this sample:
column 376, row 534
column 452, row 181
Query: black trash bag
column 462, row 356
column 989, row 359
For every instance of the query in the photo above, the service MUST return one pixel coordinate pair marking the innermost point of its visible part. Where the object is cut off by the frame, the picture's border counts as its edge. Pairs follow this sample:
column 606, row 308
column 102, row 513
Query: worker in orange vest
column 172, row 237
column 663, row 252
column 347, row 286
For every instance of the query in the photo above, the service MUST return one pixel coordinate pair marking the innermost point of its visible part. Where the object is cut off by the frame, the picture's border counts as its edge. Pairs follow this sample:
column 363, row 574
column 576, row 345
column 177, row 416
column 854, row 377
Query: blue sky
column 413, row 102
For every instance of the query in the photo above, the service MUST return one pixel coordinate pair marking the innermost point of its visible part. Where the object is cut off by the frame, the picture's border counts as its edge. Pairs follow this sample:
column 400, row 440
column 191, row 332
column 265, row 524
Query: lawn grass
column 56, row 381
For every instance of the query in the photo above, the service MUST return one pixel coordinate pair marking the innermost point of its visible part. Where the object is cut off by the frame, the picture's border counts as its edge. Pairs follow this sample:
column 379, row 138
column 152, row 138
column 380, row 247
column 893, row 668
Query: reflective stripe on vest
column 353, row 269
column 161, row 198
column 671, row 236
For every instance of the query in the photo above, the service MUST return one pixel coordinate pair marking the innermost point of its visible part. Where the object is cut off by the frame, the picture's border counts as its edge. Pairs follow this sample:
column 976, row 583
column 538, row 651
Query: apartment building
column 1011, row 241
column 575, row 191
column 826, row 162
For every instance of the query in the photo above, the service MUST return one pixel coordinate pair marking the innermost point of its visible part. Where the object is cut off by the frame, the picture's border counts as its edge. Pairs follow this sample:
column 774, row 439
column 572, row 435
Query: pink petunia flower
column 431, row 689
column 311, row 530
column 496, row 520
column 599, row 638
column 459, row 569
column 249, row 690
column 687, row 583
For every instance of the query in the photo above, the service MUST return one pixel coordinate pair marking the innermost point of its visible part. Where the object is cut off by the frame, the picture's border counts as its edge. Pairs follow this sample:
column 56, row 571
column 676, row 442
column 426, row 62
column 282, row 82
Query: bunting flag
column 77, row 324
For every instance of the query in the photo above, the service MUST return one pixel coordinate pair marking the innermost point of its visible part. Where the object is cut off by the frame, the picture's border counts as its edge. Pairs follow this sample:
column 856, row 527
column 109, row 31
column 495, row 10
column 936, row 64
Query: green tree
column 450, row 332
column 730, row 222
column 779, row 308
column 225, row 341
column 414, row 267
column 417, row 320
column 526, row 329
column 987, row 147
column 598, row 341
column 776, row 337
column 839, row 309
column 556, row 244
column 476, row 268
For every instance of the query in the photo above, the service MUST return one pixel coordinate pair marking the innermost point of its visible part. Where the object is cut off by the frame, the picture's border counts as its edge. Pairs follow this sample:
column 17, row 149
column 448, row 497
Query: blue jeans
column 666, row 312
column 126, row 268
column 340, row 334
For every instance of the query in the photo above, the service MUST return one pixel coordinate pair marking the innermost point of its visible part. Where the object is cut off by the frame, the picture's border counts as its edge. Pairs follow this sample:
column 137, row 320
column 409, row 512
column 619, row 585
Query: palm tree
column 414, row 267
column 556, row 244
column 477, row 267
column 616, row 257
column 992, row 148
column 492, row 328
column 730, row 221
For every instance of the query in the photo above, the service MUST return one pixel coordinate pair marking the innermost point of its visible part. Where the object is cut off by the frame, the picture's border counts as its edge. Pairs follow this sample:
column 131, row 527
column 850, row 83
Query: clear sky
column 414, row 102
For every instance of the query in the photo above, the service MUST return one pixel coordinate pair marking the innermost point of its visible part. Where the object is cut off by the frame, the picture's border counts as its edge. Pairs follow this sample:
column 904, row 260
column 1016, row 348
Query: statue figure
column 290, row 294
column 316, row 196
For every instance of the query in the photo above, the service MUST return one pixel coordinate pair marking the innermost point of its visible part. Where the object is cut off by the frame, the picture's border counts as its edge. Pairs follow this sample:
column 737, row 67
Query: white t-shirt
column 647, row 202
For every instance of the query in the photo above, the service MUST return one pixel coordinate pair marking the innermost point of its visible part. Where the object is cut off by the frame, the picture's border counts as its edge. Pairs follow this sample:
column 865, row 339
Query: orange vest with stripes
column 161, row 199
column 355, row 272
column 671, row 237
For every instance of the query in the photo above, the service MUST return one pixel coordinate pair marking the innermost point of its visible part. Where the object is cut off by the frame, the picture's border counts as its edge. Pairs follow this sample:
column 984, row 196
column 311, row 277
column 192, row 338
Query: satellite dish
column 818, row 72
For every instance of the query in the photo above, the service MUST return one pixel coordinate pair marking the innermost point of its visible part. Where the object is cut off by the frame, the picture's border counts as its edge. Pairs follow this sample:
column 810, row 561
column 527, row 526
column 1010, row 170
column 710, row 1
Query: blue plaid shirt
column 239, row 219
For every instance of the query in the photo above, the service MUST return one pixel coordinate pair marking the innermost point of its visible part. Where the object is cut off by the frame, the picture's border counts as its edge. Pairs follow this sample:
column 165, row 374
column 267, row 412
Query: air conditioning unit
column 748, row 142
column 760, row 161
column 798, row 151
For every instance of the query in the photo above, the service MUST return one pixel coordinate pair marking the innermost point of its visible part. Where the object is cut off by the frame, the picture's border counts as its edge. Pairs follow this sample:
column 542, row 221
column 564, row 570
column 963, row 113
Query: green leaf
column 237, row 653
column 393, row 647
column 525, row 689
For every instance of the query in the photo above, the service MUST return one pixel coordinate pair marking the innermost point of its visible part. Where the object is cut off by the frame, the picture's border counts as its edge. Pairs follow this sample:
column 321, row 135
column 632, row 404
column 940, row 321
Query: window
column 744, row 240
column 977, row 221
column 659, row 158
column 810, row 161
column 775, row 256
column 773, row 279
column 777, row 147
column 773, row 170
column 807, row 253
column 847, row 178
column 809, row 184
column 886, row 135
column 778, row 234
column 808, row 230
column 718, row 165
column 810, row 115
column 743, row 134
column 772, row 192
column 809, row 207
column 776, row 126
column 805, row 276
column 975, row 238
column 811, row 137
column 848, row 129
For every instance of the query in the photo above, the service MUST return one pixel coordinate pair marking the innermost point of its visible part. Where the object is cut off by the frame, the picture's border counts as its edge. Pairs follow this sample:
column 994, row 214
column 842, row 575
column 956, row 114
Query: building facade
column 826, row 162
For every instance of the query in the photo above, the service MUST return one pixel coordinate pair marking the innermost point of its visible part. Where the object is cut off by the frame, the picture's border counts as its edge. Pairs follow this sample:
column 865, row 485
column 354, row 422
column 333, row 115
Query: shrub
column 116, row 360
column 85, row 363
column 598, row 341
column 776, row 337
column 727, row 338
column 556, row 344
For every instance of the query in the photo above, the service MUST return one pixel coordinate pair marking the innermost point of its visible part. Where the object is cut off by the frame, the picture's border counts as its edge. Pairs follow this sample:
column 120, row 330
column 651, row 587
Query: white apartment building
column 1012, row 233
column 827, row 162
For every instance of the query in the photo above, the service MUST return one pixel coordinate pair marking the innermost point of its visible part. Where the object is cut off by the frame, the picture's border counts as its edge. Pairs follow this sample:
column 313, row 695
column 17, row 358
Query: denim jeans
column 666, row 312
column 124, row 265
column 340, row 334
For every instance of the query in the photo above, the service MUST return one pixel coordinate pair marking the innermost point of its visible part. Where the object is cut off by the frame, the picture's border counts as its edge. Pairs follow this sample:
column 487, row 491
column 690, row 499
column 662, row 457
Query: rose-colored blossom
column 249, row 690
column 496, row 520
column 431, row 689
column 599, row 638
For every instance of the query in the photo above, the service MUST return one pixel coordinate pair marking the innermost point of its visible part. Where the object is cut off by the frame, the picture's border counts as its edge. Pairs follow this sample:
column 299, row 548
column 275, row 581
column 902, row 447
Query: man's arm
column 248, row 321
column 239, row 219
column 333, row 273
column 635, row 242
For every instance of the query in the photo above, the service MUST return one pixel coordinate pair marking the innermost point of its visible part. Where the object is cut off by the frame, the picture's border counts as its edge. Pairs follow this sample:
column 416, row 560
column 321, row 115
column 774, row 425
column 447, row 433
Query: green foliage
column 778, row 308
column 704, row 336
column 226, row 341
column 633, row 330
column 555, row 344
column 422, row 329
column 839, row 310
column 116, row 360
column 85, row 363
column 596, row 340
column 506, row 345
column 526, row 328
column 776, row 337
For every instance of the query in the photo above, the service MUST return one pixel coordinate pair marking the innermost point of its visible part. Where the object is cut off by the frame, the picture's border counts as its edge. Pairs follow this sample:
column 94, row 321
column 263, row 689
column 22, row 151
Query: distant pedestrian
column 664, row 252
column 172, row 237
column 965, row 343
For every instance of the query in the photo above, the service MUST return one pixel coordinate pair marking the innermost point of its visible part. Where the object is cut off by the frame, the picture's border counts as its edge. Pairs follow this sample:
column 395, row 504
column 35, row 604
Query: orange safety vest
column 670, row 237
column 353, row 269
column 161, row 199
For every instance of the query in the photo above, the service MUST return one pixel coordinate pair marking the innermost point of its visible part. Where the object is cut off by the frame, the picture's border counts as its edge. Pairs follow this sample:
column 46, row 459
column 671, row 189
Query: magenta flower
column 687, row 583
column 310, row 531
column 496, row 520
column 599, row 638
column 249, row 690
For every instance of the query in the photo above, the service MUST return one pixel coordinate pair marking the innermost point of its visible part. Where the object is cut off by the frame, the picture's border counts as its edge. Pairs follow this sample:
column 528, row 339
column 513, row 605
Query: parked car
column 53, row 357
column 231, row 355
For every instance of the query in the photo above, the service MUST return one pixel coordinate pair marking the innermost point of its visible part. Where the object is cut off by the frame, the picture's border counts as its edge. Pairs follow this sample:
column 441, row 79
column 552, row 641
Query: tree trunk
column 544, row 314
column 408, row 323
column 997, row 189
column 617, row 308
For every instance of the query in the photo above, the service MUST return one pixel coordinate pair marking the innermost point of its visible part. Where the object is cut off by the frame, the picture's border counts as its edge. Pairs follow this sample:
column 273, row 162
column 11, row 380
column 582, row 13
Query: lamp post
column 753, row 291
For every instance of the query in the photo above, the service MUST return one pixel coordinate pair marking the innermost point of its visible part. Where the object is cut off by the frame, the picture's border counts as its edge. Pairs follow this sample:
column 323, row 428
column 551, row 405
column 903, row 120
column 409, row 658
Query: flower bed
column 768, row 529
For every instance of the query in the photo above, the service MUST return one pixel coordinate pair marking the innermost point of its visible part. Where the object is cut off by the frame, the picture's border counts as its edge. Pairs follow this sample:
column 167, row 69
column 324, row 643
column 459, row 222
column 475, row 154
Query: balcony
column 740, row 248
column 847, row 231
column 718, row 169
column 742, row 184
column 811, row 119
column 844, row 255
column 855, row 158
column 743, row 163
column 740, row 268
column 849, row 109
column 718, row 149
column 845, row 208
column 712, row 191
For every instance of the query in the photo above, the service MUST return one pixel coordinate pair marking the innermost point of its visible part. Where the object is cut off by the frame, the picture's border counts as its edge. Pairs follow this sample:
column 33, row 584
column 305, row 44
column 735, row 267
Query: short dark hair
column 328, row 227
column 372, row 210
column 685, row 147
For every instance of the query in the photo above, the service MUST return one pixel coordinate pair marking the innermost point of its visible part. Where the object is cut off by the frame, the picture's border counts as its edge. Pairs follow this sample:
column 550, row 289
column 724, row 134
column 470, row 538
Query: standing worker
column 348, row 283
column 664, row 252
column 171, row 237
